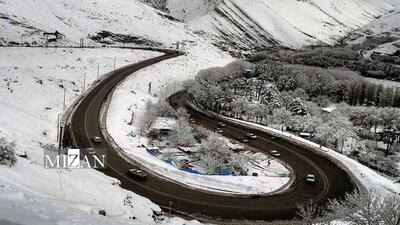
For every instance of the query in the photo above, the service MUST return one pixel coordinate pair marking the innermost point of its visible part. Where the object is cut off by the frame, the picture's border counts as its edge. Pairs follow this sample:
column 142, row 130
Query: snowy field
column 31, row 90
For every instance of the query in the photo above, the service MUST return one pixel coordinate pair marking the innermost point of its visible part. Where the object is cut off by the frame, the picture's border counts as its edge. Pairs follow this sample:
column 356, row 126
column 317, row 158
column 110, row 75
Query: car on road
column 275, row 153
column 221, row 124
column 251, row 136
column 243, row 139
column 97, row 139
column 310, row 178
column 192, row 121
column 91, row 151
column 219, row 130
column 137, row 173
column 275, row 136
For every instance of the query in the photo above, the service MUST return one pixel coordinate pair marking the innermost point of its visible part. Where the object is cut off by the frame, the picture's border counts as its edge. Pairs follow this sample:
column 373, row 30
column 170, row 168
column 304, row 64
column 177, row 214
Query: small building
column 163, row 125
column 305, row 135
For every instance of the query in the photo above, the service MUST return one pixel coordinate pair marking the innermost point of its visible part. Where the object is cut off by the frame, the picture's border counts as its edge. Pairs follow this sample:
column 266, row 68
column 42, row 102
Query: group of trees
column 335, row 84
column 291, row 96
column 340, row 57
column 161, row 108
column 7, row 152
column 213, row 154
column 358, row 208
column 215, row 157
column 231, row 71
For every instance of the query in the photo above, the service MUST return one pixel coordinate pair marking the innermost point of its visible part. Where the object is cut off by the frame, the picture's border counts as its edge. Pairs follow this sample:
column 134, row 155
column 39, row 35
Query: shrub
column 7, row 153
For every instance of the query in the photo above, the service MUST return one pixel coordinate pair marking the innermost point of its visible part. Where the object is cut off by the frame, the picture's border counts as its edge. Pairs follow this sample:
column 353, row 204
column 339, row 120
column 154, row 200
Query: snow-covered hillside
column 31, row 90
column 127, row 20
column 31, row 100
column 292, row 23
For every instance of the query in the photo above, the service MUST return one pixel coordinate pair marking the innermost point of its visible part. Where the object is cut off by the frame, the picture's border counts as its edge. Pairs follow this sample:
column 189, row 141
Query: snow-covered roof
column 234, row 146
column 329, row 109
column 163, row 123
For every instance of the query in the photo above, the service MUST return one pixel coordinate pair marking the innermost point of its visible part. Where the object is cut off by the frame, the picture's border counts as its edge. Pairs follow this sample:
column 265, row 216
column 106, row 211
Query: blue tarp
column 152, row 151
column 224, row 173
column 190, row 170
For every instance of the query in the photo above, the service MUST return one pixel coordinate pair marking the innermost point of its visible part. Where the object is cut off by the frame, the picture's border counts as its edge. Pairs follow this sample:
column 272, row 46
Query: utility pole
column 60, row 138
column 115, row 59
column 132, row 117
column 58, row 127
column 64, row 99
column 98, row 70
column 149, row 87
column 84, row 82
column 170, row 209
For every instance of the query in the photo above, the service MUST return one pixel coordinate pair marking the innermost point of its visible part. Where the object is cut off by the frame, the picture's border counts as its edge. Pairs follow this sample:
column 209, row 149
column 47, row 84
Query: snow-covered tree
column 366, row 208
column 183, row 134
column 281, row 116
column 216, row 157
column 7, row 152
column 160, row 109
column 310, row 213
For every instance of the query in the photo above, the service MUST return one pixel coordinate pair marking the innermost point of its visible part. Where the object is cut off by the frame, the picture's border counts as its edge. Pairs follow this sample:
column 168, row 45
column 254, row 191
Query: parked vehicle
column 251, row 136
column 137, row 173
column 219, row 130
column 310, row 178
column 275, row 153
column 97, row 139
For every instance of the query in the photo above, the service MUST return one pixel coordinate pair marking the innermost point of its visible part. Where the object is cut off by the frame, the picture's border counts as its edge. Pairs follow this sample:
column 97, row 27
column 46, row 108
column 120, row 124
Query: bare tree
column 389, row 211
column 359, row 208
column 310, row 213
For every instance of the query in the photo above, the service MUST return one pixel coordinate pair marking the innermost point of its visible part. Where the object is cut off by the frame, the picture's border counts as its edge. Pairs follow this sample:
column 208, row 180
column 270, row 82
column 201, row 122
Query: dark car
column 243, row 139
column 275, row 136
column 91, row 151
column 221, row 124
column 137, row 173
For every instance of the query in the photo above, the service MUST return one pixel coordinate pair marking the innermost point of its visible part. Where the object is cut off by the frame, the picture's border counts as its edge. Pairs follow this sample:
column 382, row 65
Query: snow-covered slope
column 292, row 23
column 31, row 93
column 75, row 19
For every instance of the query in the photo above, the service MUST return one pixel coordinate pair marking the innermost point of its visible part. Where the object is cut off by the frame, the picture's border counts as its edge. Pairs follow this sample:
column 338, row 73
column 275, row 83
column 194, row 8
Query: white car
column 310, row 178
column 97, row 139
column 275, row 153
column 251, row 136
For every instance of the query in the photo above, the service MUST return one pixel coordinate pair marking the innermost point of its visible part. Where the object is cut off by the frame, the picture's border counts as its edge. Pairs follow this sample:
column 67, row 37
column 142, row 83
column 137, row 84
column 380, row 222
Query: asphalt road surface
column 332, row 181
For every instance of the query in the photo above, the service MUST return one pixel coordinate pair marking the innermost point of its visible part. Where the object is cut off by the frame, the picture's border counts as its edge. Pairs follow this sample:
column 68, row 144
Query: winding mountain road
column 332, row 181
